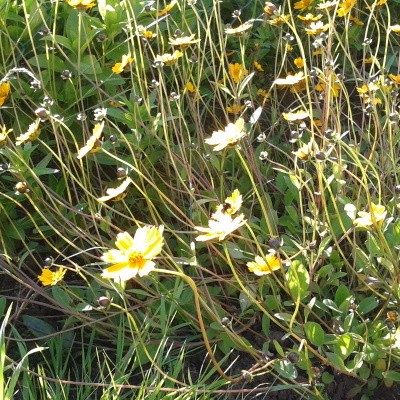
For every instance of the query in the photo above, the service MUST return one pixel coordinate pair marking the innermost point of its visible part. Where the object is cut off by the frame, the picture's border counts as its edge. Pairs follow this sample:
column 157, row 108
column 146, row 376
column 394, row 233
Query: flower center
column 135, row 257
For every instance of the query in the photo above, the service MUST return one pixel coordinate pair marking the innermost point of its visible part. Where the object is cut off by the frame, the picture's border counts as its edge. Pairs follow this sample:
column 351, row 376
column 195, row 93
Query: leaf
column 314, row 333
column 255, row 116
column 286, row 369
column 37, row 326
column 392, row 375
column 298, row 280
column 336, row 361
column 48, row 62
column 367, row 305
column 61, row 296
column 345, row 345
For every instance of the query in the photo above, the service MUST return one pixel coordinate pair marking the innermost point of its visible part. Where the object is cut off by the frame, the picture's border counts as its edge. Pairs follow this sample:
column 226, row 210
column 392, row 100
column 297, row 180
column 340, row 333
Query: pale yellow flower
column 167, row 9
column 330, row 85
column 168, row 58
column 31, row 134
column 303, row 5
column 239, row 30
column 145, row 33
column 316, row 28
column 371, row 87
column 279, row 20
column 310, row 17
column 50, row 278
column 299, row 62
column 117, row 193
column 5, row 89
column 327, row 5
column 93, row 144
column 373, row 218
column 345, row 7
column 238, row 72
column 229, row 137
column 264, row 265
column 304, row 152
column 290, row 79
column 231, row 205
column 134, row 255
column 395, row 79
column 183, row 41
column 220, row 228
column 123, row 66
column 395, row 28
column 235, row 109
column 81, row 4
column 3, row 135
column 296, row 117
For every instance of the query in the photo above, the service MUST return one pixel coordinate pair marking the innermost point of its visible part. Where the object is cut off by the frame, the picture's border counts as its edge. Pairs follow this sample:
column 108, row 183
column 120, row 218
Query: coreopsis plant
column 168, row 58
column 304, row 152
column 239, row 30
column 237, row 72
column 375, row 217
column 290, row 79
column 231, row 205
column 264, row 265
column 296, row 117
column 228, row 137
column 4, row 92
column 3, row 135
column 183, row 41
column 31, row 134
column 50, row 278
column 345, row 7
column 117, row 193
column 123, row 66
column 167, row 9
column 81, row 4
column 134, row 255
column 93, row 144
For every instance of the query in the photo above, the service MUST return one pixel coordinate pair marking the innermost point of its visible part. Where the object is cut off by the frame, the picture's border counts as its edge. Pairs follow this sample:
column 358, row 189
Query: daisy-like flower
column 220, row 228
column 237, row 72
column 81, row 4
column 239, row 30
column 371, row 87
column 183, row 41
column 50, row 278
column 329, row 84
column 290, row 79
column 298, row 62
column 356, row 21
column 124, row 65
column 134, row 255
column 310, row 17
column 368, row 220
column 3, row 135
column 264, row 265
column 117, row 193
column 167, row 9
column 235, row 109
column 395, row 79
column 296, row 117
column 168, row 58
column 327, row 5
column 279, row 20
column 31, row 134
column 231, row 205
column 303, row 5
column 345, row 7
column 93, row 144
column 229, row 137
column 270, row 8
column 145, row 33
column 258, row 66
column 4, row 92
column 304, row 152
column 190, row 88
column 316, row 28
column 395, row 28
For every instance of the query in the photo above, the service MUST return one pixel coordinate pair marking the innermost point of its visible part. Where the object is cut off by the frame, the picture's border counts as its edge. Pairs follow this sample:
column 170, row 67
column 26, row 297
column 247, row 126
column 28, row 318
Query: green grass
column 201, row 325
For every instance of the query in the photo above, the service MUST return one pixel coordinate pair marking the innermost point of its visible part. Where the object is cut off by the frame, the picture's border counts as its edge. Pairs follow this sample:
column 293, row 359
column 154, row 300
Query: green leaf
column 367, row 305
column 45, row 61
column 344, row 346
column 286, row 369
column 298, row 280
column 37, row 326
column 336, row 361
column 61, row 296
column 314, row 333
column 392, row 375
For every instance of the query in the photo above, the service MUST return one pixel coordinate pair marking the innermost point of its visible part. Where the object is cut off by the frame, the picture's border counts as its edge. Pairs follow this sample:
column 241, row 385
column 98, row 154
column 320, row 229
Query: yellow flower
column 258, row 66
column 220, row 228
column 327, row 5
column 371, row 87
column 183, row 41
column 229, row 137
column 304, row 152
column 168, row 58
column 288, row 47
column 167, row 9
column 279, row 20
column 93, row 144
column 117, row 193
column 48, row 277
column 369, row 60
column 356, row 21
column 31, row 134
column 310, row 17
column 143, row 32
column 264, row 265
column 4, row 92
column 290, row 79
column 237, row 72
column 123, row 66
column 303, row 5
column 81, row 4
column 133, row 255
column 190, row 88
column 373, row 218
column 316, row 28
column 239, row 30
column 231, row 205
column 395, row 79
column 296, row 117
column 345, row 7
column 270, row 8
column 263, row 93
column 299, row 62
column 330, row 84
column 380, row 3
column 3, row 135
column 235, row 109
column 395, row 28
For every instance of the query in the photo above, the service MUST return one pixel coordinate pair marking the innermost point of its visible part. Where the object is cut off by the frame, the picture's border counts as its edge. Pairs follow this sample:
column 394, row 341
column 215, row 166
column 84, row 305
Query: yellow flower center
column 135, row 258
